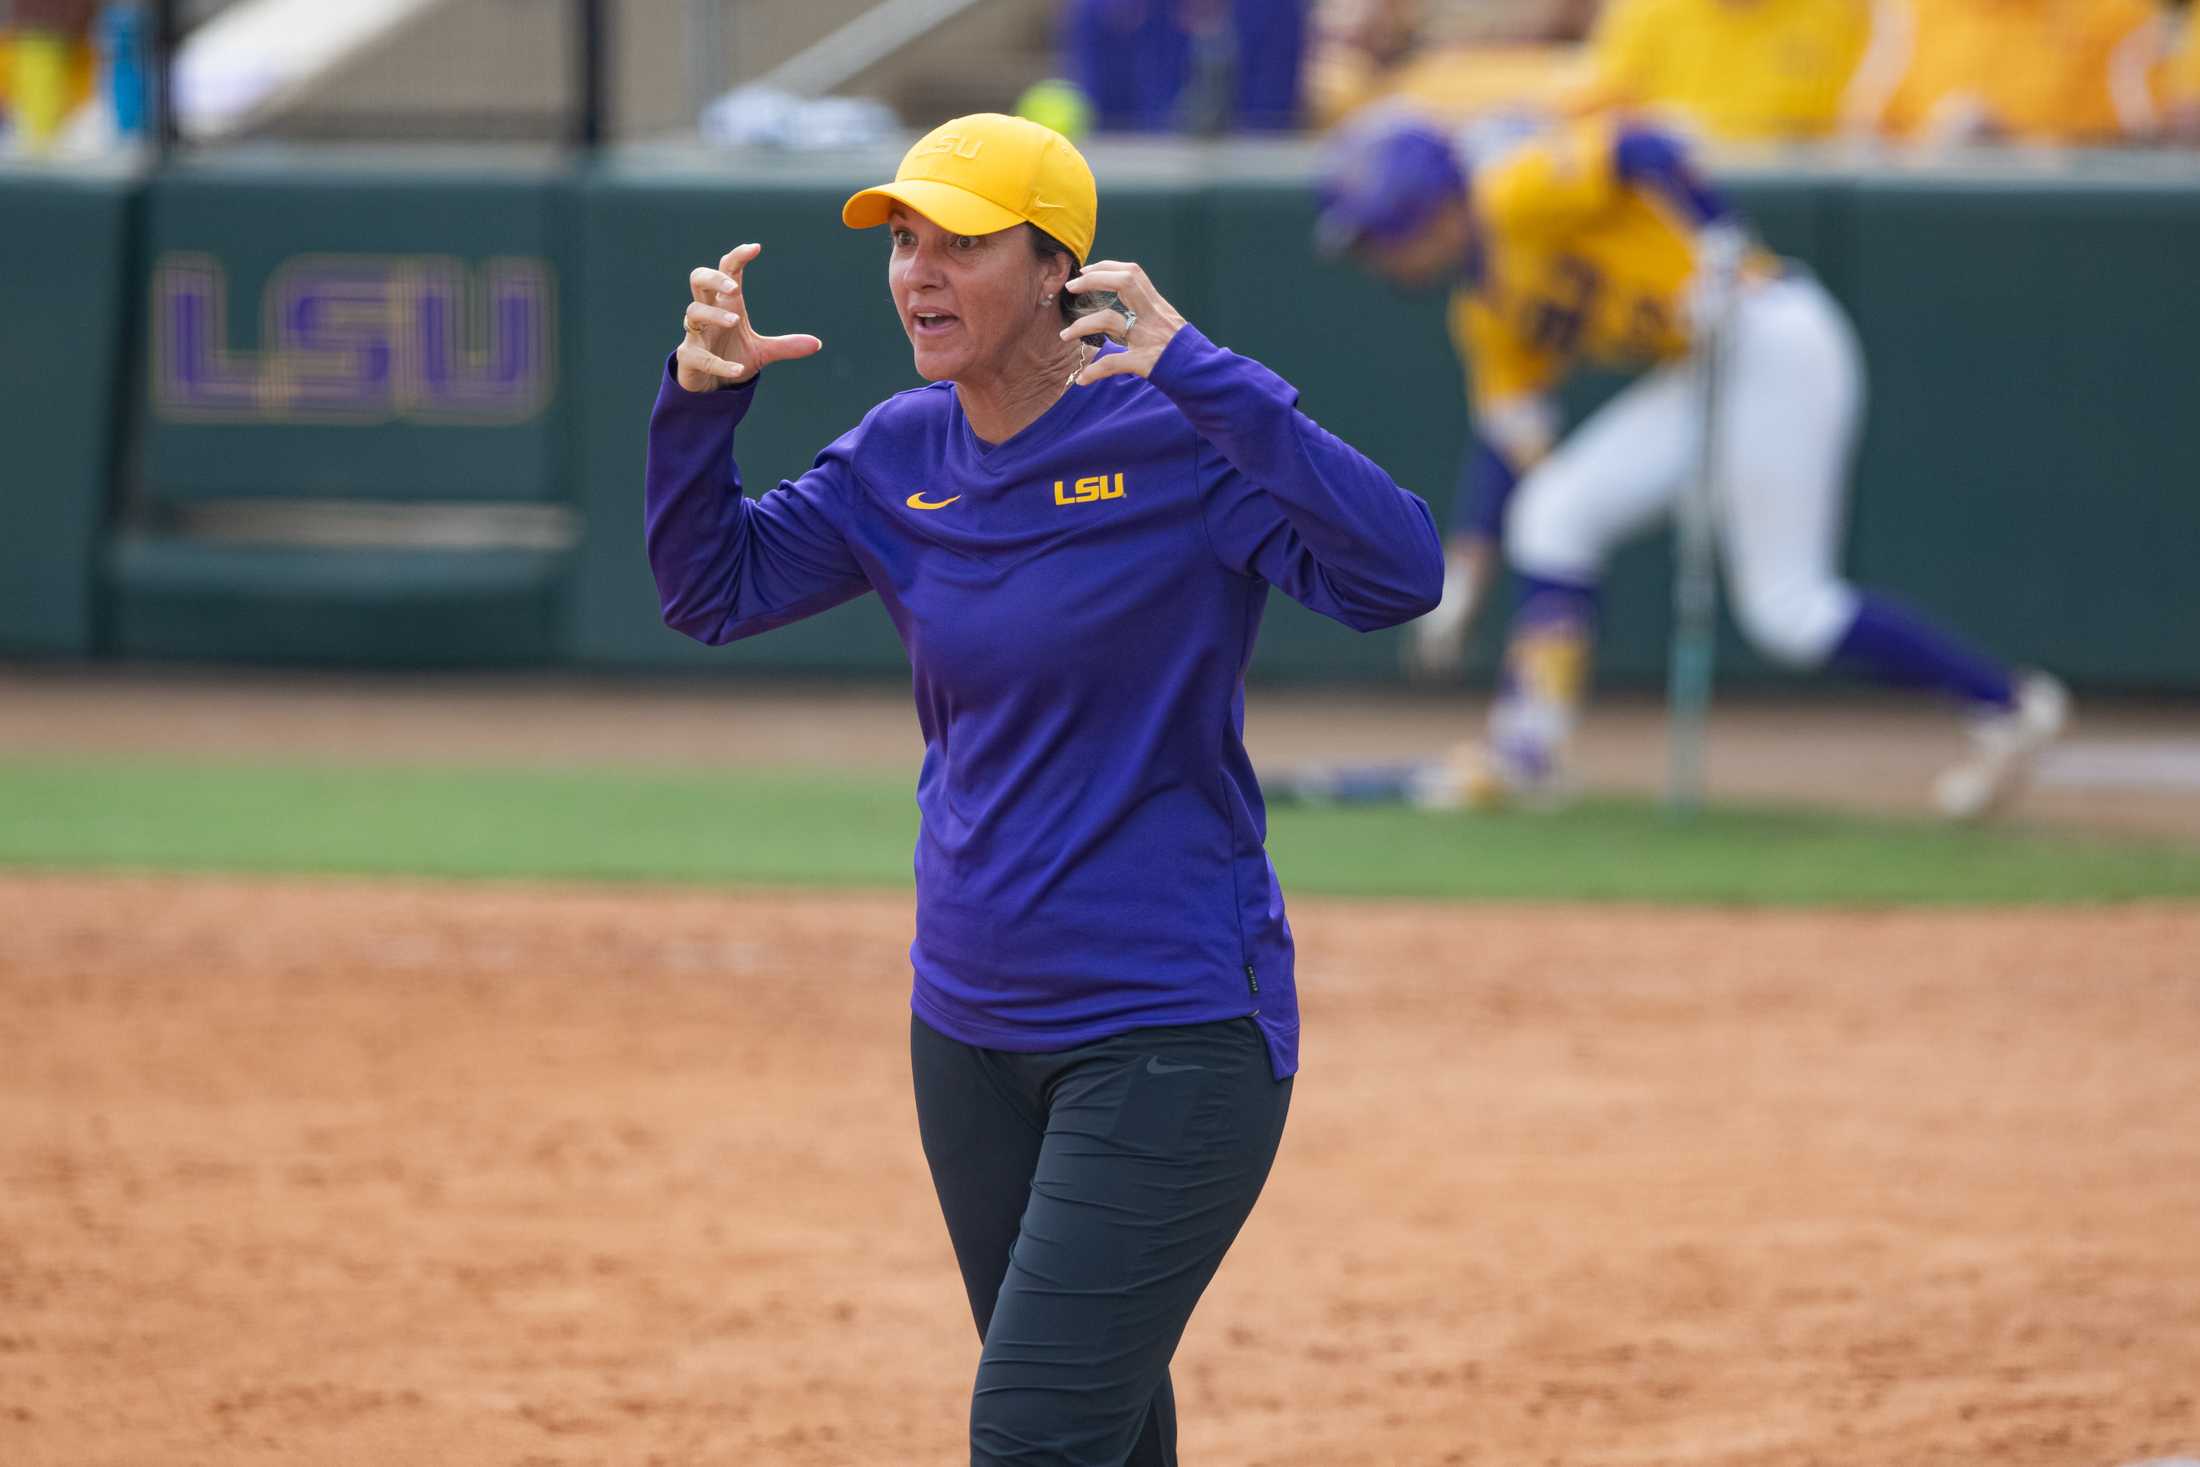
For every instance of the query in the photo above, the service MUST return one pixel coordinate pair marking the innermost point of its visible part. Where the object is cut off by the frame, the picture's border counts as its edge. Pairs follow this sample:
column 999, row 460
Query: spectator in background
column 1188, row 65
column 46, row 66
column 1730, row 69
column 1449, row 59
column 2181, row 83
column 2045, row 71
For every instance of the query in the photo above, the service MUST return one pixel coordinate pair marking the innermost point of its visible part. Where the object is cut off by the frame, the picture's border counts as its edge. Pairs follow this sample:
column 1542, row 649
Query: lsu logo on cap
column 949, row 142
column 1088, row 490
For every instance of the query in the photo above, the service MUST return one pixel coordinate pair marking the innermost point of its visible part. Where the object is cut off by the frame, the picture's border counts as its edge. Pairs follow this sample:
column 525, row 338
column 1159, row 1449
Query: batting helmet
column 1383, row 180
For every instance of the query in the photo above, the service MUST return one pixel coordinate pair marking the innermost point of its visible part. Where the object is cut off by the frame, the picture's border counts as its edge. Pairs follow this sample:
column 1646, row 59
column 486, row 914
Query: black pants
column 1090, row 1194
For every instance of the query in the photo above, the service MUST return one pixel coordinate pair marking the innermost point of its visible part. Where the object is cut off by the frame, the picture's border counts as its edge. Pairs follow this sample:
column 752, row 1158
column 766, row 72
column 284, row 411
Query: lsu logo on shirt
column 1088, row 490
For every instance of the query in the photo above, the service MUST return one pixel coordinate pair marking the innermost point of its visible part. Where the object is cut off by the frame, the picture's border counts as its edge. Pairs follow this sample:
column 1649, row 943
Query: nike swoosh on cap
column 918, row 501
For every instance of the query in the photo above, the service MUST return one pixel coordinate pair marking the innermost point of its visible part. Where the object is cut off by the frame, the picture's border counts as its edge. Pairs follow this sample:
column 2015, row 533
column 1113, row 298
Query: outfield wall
column 389, row 408
column 65, row 261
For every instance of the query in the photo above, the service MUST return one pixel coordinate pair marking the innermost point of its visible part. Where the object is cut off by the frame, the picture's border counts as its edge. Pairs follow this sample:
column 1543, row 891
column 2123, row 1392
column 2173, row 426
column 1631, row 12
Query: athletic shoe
column 2004, row 745
column 1488, row 777
column 1456, row 782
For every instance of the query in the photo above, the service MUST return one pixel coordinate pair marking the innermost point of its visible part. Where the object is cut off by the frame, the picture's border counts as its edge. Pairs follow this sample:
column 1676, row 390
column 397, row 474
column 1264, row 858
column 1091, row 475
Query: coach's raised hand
column 1140, row 319
column 721, row 344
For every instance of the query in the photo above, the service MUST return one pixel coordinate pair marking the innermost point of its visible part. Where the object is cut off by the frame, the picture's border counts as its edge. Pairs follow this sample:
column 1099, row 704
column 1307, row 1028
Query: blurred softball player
column 1599, row 242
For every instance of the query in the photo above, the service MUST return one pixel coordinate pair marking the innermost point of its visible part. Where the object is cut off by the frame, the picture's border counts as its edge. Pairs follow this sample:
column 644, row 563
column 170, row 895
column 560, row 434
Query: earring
column 1046, row 300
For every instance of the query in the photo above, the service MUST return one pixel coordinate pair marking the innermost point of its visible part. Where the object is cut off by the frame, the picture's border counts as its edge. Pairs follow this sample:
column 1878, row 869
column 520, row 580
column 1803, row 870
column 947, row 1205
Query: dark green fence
column 348, row 333
column 2033, row 464
column 485, row 335
column 63, row 269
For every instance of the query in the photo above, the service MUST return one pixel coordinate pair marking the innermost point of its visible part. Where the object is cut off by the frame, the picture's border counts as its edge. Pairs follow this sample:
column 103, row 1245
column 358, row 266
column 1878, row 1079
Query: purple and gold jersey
column 1576, row 263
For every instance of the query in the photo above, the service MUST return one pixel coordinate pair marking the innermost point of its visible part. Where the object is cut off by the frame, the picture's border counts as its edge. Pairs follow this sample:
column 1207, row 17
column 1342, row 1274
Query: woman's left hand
column 1141, row 320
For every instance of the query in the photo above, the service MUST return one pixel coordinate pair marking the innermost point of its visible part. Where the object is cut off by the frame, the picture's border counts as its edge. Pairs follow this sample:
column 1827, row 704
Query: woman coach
column 1075, row 547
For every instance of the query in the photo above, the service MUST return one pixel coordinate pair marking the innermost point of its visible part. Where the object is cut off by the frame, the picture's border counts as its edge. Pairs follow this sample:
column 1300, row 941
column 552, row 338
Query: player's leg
column 1794, row 398
column 981, row 1139
column 1609, row 479
column 982, row 1115
column 1615, row 475
column 1158, row 1143
column 1794, row 407
column 982, row 1121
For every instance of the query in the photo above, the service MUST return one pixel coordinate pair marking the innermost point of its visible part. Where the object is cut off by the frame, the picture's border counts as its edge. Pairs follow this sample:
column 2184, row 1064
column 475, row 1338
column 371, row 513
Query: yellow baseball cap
column 982, row 173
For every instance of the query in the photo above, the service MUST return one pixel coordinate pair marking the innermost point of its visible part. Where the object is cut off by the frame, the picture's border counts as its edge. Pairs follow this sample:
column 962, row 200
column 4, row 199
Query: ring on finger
column 1130, row 319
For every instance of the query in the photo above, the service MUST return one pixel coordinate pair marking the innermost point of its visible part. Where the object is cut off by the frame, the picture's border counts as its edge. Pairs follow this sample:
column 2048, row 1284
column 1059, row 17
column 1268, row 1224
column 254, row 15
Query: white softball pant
column 1793, row 398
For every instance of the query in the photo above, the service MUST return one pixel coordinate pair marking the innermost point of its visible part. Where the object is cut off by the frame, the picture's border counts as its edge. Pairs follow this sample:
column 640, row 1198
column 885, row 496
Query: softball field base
column 340, row 1172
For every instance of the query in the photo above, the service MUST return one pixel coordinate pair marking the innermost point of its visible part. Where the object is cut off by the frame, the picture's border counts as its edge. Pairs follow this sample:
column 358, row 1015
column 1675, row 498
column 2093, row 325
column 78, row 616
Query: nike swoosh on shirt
column 918, row 501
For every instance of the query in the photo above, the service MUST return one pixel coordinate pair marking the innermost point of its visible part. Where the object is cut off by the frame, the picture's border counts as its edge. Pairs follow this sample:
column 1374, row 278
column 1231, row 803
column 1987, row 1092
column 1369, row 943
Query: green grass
column 833, row 829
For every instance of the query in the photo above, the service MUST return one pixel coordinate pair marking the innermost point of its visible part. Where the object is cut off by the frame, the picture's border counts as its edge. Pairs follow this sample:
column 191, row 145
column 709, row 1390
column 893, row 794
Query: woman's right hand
column 721, row 345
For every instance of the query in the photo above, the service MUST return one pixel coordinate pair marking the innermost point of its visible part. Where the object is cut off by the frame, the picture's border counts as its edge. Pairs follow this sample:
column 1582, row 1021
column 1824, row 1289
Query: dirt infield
column 362, row 1173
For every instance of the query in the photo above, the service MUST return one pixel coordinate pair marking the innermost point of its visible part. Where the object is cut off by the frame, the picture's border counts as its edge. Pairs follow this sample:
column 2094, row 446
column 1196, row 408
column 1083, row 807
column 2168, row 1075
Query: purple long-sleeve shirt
column 1079, row 604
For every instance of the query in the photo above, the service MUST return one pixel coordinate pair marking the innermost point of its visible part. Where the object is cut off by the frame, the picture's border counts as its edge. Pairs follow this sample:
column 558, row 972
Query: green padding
column 2033, row 465
column 363, row 264
column 62, row 247
column 2029, row 469
column 642, row 231
column 409, row 608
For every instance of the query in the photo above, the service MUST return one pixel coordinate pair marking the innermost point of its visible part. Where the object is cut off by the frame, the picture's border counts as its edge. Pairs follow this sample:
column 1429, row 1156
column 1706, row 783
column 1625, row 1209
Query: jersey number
column 1647, row 329
column 1556, row 319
